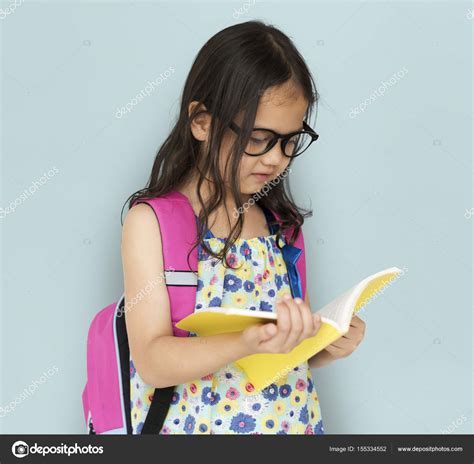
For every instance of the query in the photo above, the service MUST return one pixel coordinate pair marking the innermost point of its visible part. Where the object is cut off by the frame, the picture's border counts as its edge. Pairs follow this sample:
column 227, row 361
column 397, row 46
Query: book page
column 338, row 310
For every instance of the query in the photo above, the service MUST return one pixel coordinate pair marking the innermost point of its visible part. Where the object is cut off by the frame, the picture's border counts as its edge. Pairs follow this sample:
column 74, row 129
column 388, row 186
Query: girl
column 241, row 125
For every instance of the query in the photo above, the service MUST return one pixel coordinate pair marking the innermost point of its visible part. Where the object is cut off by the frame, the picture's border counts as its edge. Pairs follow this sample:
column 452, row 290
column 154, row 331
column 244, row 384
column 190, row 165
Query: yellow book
column 266, row 368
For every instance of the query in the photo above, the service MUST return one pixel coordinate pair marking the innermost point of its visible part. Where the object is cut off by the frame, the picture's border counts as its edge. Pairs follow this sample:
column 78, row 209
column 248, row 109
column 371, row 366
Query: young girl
column 242, row 123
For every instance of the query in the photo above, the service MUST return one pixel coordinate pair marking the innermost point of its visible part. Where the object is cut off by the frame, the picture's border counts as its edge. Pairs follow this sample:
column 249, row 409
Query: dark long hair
column 229, row 75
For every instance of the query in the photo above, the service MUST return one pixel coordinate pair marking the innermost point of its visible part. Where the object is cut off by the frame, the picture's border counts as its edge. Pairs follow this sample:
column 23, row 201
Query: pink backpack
column 106, row 396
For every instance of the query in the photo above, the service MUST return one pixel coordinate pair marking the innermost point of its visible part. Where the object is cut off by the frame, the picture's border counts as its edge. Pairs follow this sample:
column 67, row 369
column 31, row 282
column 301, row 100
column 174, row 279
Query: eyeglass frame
column 283, row 137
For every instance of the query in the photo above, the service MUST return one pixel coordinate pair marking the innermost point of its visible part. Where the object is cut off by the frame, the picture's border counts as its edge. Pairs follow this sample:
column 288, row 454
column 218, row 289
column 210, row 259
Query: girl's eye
column 255, row 140
column 260, row 137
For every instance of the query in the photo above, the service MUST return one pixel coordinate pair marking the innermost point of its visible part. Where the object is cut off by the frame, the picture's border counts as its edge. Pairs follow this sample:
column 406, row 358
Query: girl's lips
column 261, row 177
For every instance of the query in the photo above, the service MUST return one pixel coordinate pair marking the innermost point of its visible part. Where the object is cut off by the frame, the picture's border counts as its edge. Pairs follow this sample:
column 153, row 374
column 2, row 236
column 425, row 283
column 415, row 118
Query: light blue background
column 389, row 187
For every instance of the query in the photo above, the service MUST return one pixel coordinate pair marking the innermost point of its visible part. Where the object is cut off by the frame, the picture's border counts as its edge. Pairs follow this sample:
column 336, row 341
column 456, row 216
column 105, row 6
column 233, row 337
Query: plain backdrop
column 388, row 186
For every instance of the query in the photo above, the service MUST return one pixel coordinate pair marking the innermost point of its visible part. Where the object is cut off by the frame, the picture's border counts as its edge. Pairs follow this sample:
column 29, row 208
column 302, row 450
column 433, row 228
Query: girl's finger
column 306, row 317
column 267, row 331
column 296, row 324
column 336, row 352
column 316, row 322
column 344, row 344
column 283, row 325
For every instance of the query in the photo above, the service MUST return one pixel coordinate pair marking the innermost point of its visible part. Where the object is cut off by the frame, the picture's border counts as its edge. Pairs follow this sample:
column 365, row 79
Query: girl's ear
column 201, row 123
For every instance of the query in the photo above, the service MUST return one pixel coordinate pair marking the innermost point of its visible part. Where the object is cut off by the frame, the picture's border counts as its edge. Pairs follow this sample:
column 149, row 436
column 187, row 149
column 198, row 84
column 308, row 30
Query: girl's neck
column 189, row 190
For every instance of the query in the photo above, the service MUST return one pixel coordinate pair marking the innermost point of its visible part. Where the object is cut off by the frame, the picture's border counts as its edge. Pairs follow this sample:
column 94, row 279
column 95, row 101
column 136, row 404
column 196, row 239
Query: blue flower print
column 249, row 286
column 318, row 428
column 200, row 284
column 271, row 293
column 246, row 251
column 278, row 281
column 189, row 424
column 285, row 390
column 232, row 283
column 132, row 369
column 140, row 427
column 285, row 279
column 270, row 423
column 281, row 432
column 206, row 395
column 271, row 392
column 210, row 397
column 310, row 385
column 304, row 416
column 265, row 306
column 242, row 423
column 215, row 398
column 175, row 398
column 216, row 301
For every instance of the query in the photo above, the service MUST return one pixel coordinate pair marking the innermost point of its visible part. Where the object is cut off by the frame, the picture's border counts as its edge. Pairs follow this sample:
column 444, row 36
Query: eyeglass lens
column 260, row 140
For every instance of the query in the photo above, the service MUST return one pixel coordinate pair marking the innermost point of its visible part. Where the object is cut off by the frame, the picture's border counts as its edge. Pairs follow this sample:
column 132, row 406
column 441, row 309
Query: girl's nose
column 274, row 157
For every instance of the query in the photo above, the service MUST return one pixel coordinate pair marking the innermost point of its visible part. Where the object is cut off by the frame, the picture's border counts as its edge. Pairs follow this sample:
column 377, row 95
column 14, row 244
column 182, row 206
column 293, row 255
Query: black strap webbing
column 158, row 410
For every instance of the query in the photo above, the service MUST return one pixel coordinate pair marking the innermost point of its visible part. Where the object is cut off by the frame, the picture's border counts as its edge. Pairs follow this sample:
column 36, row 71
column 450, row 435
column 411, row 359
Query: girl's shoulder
column 141, row 227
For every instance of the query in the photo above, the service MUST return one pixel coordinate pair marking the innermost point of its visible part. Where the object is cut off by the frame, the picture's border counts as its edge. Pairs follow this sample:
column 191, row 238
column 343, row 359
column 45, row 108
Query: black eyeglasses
column 292, row 145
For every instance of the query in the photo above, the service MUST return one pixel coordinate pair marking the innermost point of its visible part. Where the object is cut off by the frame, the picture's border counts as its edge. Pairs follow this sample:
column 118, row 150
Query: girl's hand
column 346, row 344
column 295, row 322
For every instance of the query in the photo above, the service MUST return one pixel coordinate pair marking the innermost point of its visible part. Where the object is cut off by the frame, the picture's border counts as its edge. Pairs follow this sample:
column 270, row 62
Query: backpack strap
column 178, row 232
column 294, row 256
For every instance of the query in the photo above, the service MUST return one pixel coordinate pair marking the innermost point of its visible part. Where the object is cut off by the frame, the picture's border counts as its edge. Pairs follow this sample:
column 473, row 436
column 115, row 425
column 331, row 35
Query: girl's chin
column 251, row 189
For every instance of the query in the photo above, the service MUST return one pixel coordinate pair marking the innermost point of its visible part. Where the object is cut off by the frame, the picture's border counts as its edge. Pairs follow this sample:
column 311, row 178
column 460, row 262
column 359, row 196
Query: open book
column 266, row 368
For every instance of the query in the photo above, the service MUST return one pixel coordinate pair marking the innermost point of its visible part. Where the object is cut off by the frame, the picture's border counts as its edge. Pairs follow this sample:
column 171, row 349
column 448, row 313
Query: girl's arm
column 342, row 347
column 160, row 358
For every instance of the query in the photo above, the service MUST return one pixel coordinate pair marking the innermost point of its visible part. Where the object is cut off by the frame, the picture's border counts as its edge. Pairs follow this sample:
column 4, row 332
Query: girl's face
column 281, row 109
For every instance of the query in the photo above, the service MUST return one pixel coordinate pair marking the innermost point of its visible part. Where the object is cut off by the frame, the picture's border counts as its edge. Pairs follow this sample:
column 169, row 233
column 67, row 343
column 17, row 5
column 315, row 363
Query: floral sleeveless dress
column 226, row 402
